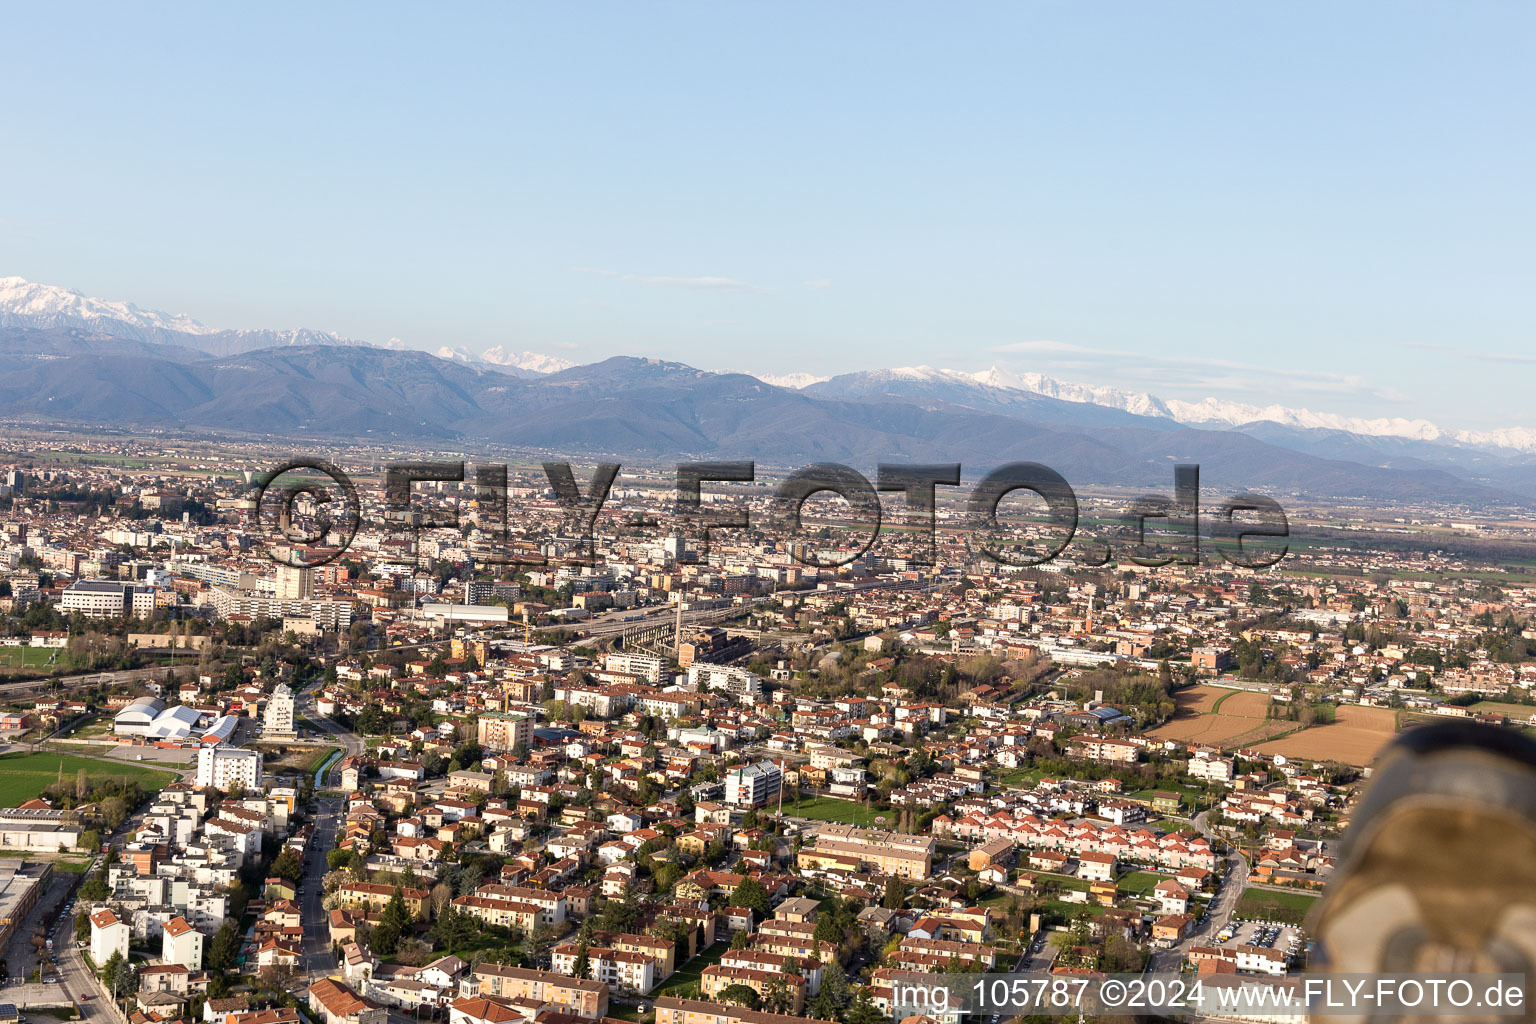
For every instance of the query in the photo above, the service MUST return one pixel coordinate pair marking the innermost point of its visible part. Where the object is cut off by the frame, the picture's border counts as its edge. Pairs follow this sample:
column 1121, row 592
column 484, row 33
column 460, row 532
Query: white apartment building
column 1211, row 769
column 753, row 785
column 102, row 599
column 332, row 615
column 277, row 717
column 183, row 945
column 295, row 583
column 742, row 685
column 108, row 935
column 647, row 665
column 224, row 767
column 631, row 972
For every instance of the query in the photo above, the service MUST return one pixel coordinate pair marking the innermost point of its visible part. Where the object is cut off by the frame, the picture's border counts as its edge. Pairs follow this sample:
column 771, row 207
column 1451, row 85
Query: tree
column 834, row 985
column 862, row 1010
column 396, row 914
column 751, row 893
column 827, row 930
column 94, row 889
column 582, row 968
column 821, row 1007
column 741, row 995
column 342, row 860
column 224, row 947
column 113, row 811
column 275, row 978
column 895, row 894
column 119, row 976
column 288, row 865
column 384, row 939
column 82, row 785
column 539, row 940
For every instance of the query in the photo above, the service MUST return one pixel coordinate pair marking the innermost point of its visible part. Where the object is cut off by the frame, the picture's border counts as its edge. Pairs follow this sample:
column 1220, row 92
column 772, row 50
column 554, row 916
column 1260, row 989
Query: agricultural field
column 24, row 776
column 1355, row 737
column 1220, row 717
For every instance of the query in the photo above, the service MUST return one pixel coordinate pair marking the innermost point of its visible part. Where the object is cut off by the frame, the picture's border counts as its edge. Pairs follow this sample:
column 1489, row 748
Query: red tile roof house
column 335, row 1003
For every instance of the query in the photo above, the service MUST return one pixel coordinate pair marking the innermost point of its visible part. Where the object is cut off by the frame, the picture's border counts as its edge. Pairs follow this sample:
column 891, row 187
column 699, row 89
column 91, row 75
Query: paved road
column 77, row 983
column 1234, row 880
column 318, row 960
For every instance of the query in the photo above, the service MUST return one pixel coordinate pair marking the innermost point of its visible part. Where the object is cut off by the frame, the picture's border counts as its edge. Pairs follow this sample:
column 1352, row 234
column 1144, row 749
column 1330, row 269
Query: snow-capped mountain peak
column 794, row 381
column 1208, row 412
column 1137, row 402
column 50, row 305
column 535, row 361
column 1235, row 414
column 27, row 304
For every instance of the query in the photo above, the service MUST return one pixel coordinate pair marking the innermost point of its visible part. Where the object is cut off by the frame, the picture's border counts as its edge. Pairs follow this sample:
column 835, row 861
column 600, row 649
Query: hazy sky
column 1326, row 204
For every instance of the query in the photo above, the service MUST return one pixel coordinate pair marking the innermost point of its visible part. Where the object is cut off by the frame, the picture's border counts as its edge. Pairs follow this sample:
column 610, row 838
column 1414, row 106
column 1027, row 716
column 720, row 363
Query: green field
column 1271, row 905
column 14, row 659
column 1070, row 911
column 693, row 970
column 1063, row 881
column 1019, row 778
column 846, row 812
column 24, row 776
column 1139, row 883
column 1515, row 712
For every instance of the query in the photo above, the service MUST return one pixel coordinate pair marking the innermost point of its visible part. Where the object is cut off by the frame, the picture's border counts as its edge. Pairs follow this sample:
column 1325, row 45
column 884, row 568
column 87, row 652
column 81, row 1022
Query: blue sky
column 1316, row 204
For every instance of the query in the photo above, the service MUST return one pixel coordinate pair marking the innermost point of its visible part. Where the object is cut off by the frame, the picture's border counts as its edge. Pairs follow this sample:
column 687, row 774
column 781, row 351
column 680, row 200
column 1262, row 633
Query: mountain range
column 67, row 358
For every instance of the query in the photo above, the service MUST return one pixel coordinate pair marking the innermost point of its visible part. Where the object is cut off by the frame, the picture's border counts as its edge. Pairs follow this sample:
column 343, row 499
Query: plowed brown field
column 1356, row 737
column 1239, row 721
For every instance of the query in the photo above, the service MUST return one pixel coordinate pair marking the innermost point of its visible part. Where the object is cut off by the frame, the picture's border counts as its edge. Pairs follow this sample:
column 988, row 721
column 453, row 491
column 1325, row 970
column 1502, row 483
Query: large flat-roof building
column 21, row 883
column 847, row 848
column 754, row 785
column 224, row 767
column 504, row 730
column 329, row 615
column 107, row 599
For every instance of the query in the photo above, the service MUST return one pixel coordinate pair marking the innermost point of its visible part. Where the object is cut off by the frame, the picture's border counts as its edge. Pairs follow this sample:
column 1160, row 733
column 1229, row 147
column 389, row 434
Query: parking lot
column 1284, row 937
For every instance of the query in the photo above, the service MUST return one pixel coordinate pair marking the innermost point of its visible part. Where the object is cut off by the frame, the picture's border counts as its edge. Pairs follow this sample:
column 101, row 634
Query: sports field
column 24, row 776
column 827, row 808
column 14, row 659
